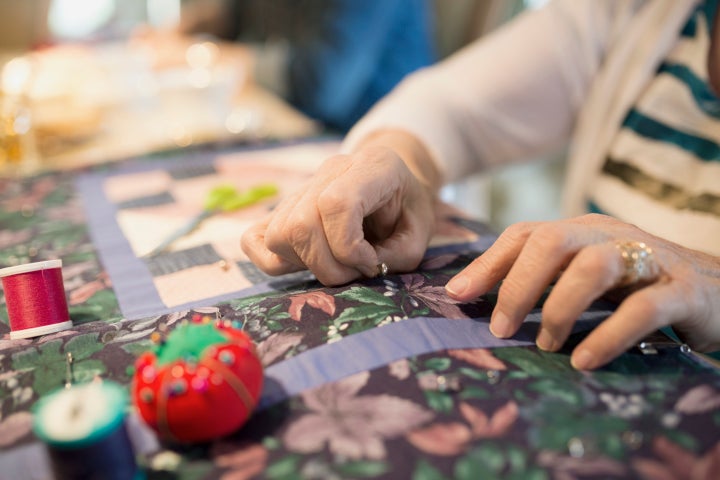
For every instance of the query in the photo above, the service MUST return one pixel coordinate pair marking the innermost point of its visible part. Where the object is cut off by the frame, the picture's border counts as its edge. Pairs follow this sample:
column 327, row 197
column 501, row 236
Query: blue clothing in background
column 344, row 55
column 362, row 50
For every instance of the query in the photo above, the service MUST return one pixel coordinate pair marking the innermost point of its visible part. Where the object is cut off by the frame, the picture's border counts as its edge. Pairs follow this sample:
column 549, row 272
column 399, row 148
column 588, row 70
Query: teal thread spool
column 84, row 430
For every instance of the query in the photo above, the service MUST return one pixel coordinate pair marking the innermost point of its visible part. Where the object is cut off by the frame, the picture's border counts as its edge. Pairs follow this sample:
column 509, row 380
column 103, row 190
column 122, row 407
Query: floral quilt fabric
column 510, row 412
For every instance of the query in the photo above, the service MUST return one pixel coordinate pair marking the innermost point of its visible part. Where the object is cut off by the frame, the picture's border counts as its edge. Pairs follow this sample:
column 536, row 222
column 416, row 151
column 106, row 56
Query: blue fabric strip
column 134, row 288
column 379, row 346
column 132, row 280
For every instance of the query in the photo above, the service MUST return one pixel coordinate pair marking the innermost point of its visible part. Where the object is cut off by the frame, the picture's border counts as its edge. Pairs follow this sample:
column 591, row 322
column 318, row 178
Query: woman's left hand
column 582, row 257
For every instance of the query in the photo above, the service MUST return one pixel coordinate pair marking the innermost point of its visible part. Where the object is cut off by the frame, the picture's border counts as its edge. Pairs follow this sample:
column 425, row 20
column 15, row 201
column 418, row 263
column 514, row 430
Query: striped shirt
column 662, row 172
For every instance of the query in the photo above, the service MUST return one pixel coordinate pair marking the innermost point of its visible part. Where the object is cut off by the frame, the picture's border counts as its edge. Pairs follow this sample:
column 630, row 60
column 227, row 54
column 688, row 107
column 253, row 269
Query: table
column 381, row 378
column 89, row 104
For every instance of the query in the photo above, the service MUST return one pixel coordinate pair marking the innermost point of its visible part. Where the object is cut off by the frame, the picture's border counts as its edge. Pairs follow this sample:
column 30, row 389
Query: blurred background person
column 261, row 38
column 331, row 59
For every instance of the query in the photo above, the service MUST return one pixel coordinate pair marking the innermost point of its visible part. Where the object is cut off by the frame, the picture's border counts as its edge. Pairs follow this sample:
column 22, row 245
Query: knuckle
column 331, row 201
column 591, row 218
column 381, row 155
column 298, row 230
column 335, row 163
column 646, row 307
column 482, row 268
column 517, row 231
column 273, row 233
column 590, row 263
column 553, row 240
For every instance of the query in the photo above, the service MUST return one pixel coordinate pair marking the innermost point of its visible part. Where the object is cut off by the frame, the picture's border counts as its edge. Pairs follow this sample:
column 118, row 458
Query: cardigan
column 565, row 74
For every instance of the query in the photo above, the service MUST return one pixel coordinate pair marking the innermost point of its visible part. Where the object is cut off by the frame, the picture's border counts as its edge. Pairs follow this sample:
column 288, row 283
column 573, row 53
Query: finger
column 305, row 238
column 297, row 234
column 276, row 231
column 376, row 192
column 253, row 244
column 487, row 270
column 548, row 249
column 382, row 223
column 643, row 312
column 367, row 187
column 594, row 270
column 405, row 248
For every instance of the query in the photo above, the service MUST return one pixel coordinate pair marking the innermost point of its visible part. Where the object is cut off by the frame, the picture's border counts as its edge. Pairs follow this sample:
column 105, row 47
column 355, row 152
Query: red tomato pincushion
column 203, row 382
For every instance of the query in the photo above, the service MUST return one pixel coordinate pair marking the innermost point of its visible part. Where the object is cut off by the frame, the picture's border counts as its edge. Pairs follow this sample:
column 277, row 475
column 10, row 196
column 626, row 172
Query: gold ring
column 639, row 262
column 382, row 269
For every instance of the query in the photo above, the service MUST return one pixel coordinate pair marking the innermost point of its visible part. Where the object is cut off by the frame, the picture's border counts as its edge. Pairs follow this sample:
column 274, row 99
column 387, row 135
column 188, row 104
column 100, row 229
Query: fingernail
column 545, row 341
column 500, row 325
column 583, row 359
column 457, row 285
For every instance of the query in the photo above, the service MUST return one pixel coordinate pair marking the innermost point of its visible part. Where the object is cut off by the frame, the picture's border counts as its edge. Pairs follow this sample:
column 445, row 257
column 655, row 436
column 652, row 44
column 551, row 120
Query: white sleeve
column 512, row 94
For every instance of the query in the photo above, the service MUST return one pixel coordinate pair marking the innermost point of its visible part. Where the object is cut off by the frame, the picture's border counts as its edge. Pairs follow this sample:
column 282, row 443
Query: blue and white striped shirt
column 662, row 172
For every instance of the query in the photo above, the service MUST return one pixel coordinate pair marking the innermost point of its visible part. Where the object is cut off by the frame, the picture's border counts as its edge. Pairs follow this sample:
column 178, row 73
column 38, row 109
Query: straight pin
column 68, row 370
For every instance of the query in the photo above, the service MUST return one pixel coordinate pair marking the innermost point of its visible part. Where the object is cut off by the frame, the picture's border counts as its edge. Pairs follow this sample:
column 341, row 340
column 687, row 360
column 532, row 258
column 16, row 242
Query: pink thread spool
column 35, row 298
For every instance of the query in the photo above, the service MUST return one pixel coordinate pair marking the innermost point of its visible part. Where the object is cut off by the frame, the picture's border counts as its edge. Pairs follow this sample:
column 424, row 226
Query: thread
column 35, row 299
column 85, row 432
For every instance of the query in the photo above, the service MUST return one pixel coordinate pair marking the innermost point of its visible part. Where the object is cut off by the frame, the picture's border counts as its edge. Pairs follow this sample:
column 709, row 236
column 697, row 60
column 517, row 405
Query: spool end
column 38, row 331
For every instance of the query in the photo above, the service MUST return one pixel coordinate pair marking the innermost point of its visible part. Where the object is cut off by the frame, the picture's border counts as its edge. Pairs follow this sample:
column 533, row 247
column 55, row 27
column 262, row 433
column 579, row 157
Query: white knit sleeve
column 511, row 95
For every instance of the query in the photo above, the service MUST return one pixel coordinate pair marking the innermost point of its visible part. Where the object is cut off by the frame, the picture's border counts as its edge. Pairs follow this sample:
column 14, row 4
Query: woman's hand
column 582, row 256
column 374, row 206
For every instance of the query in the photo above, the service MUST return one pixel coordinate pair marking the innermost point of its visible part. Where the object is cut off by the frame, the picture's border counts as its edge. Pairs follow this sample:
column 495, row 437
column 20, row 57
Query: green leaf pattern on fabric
column 518, row 414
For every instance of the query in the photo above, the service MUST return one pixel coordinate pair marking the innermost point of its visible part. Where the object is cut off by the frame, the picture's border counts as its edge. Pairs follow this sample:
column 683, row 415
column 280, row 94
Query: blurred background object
column 331, row 59
column 17, row 136
column 23, row 25
column 93, row 96
column 102, row 87
column 523, row 192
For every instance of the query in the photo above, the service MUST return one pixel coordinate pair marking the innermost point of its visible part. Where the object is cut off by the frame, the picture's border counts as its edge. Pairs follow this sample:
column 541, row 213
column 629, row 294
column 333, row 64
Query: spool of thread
column 35, row 299
column 85, row 432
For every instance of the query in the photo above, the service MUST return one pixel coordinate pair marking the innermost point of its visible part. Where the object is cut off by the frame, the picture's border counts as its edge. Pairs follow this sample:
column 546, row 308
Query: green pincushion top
column 188, row 342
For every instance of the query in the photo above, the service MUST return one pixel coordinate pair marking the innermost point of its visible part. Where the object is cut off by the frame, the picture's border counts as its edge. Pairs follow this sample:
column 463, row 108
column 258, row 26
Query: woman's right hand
column 358, row 211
